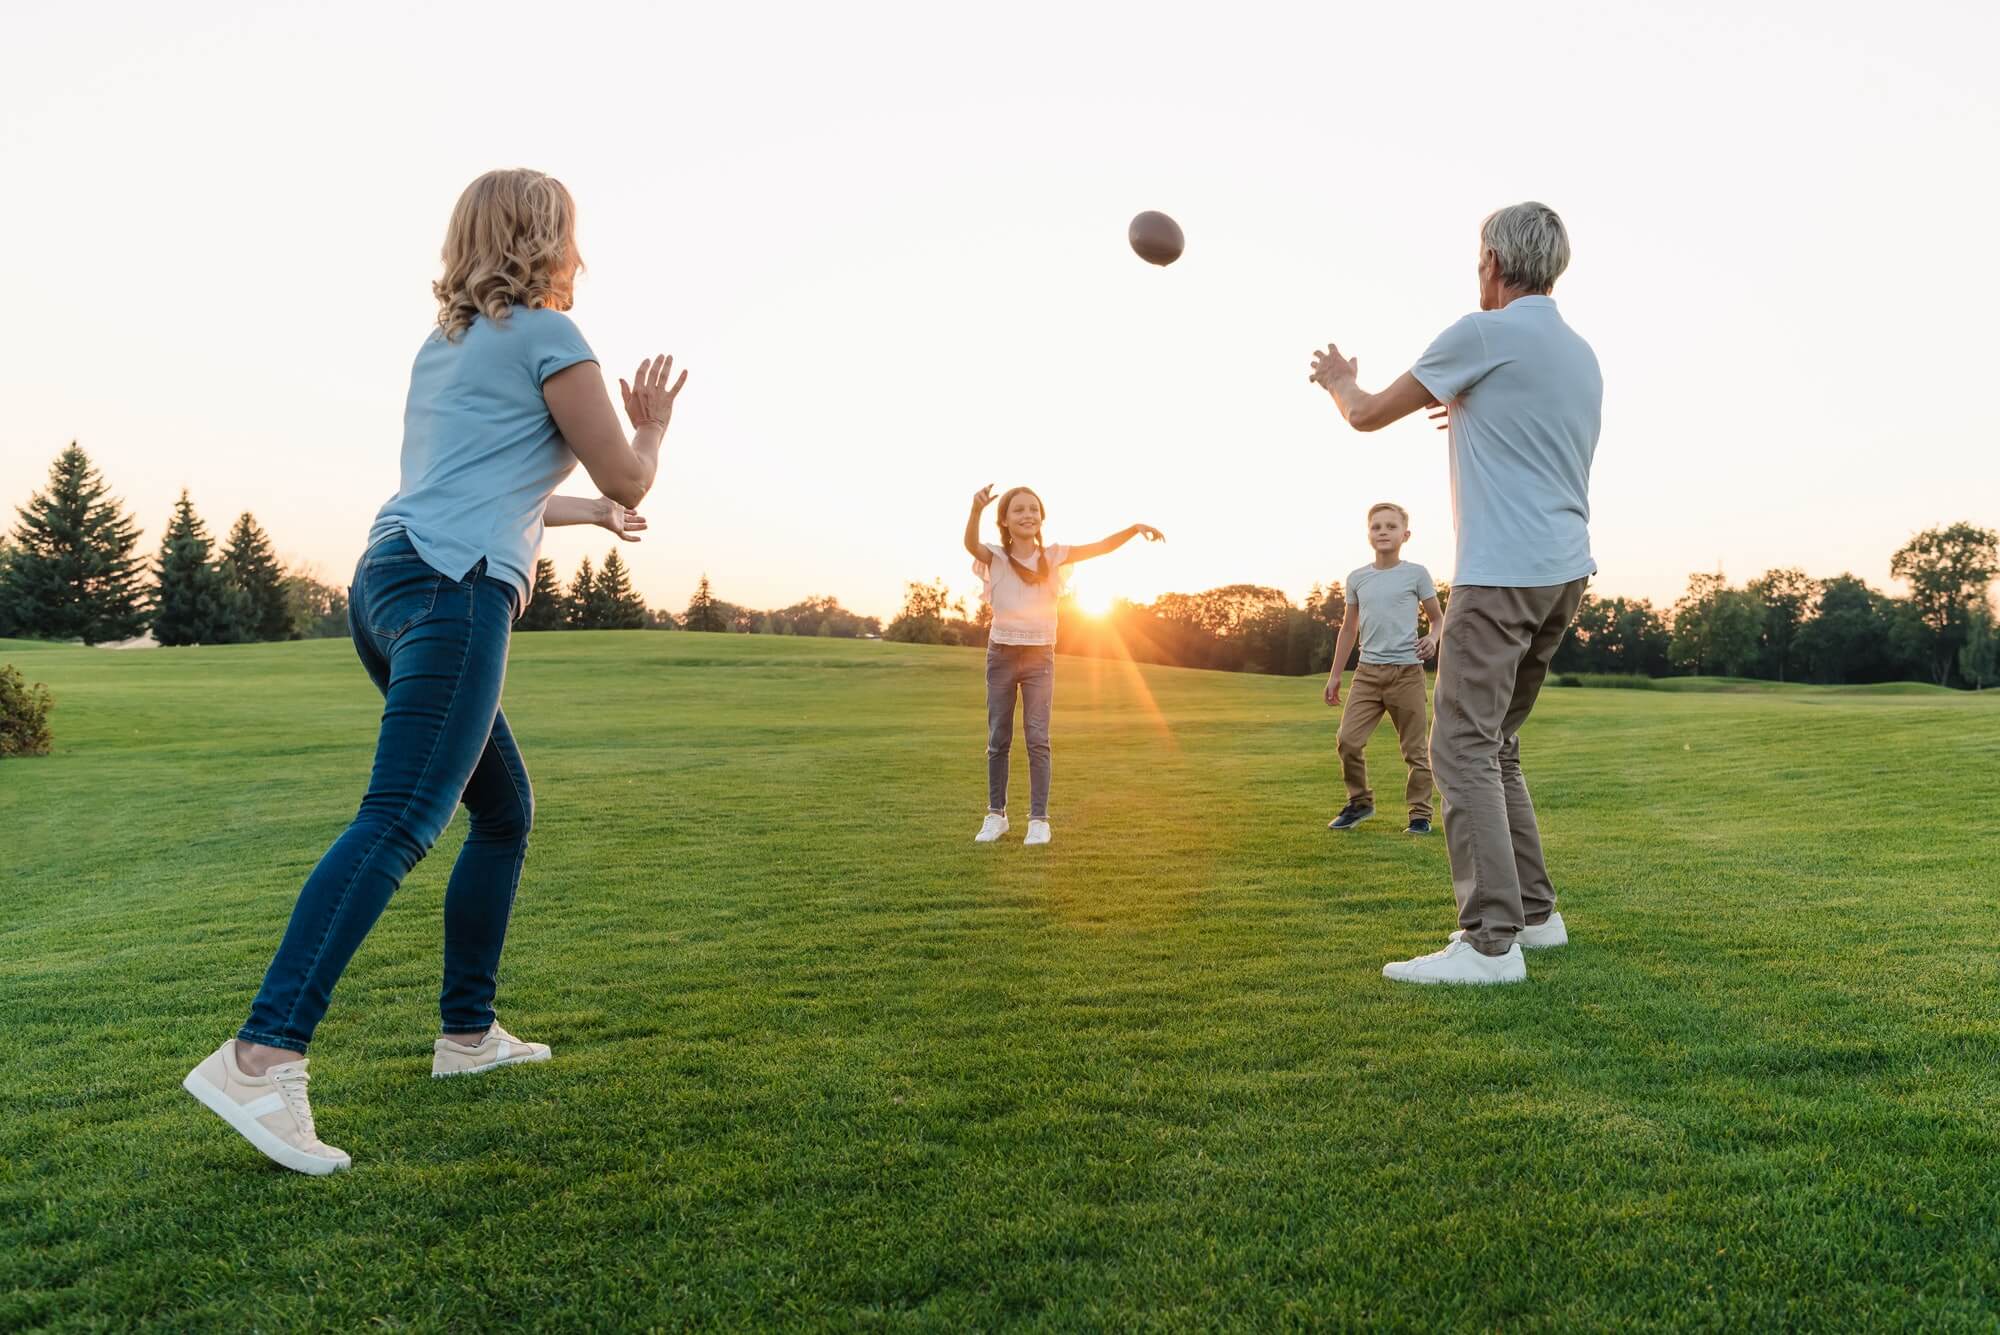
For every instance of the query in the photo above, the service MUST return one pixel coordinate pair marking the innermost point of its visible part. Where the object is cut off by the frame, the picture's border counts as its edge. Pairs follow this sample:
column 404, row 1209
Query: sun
column 1095, row 601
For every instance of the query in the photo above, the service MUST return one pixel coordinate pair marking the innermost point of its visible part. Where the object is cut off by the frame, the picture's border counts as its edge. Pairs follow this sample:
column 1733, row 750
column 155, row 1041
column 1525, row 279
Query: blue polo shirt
column 1527, row 401
column 481, row 455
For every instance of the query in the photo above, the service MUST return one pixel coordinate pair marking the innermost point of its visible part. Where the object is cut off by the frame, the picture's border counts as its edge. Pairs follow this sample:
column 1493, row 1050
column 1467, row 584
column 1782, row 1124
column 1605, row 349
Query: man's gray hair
column 1530, row 242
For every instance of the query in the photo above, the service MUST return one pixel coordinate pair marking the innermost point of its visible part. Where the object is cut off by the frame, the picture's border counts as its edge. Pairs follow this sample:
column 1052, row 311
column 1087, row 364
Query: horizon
column 1079, row 595
column 881, row 312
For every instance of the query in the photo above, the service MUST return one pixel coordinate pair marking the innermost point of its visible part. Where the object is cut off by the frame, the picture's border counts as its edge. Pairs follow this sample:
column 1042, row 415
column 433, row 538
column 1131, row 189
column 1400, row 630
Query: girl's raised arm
column 980, row 500
column 1115, row 541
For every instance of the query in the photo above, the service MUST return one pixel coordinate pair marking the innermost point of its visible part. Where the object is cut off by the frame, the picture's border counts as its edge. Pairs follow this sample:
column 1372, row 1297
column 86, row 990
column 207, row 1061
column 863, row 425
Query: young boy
column 1382, row 601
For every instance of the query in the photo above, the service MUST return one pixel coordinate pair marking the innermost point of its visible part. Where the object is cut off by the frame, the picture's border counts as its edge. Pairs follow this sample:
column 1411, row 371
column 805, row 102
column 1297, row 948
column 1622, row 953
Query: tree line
column 71, row 569
column 1787, row 626
column 602, row 598
column 1781, row 626
column 1234, row 628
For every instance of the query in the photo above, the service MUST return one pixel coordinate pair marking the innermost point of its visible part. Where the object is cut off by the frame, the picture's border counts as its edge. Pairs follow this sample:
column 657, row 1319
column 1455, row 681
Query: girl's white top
column 1023, row 613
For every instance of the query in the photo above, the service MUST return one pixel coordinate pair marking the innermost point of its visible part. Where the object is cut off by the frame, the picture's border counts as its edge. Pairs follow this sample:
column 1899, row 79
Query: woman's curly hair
column 512, row 242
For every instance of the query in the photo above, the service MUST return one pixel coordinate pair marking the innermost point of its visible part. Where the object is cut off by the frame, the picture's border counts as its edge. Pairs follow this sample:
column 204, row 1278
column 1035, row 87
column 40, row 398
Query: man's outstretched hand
column 1330, row 369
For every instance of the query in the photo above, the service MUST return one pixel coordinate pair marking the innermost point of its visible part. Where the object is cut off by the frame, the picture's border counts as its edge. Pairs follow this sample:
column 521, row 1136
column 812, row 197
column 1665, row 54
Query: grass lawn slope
column 820, row 1061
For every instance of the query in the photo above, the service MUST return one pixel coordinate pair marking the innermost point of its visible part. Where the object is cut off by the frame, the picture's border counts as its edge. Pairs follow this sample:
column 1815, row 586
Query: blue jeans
column 1031, row 670
column 436, row 648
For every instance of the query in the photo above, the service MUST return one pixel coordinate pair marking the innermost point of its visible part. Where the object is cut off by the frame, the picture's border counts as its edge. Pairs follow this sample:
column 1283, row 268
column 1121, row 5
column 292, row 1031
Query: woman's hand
column 648, row 401
column 1148, row 532
column 982, row 498
column 1332, row 692
column 627, row 524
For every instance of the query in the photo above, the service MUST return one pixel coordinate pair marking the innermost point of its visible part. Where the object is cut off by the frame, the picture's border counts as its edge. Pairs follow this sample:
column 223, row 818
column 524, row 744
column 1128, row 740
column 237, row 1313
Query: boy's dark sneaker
column 1350, row 816
column 1418, row 825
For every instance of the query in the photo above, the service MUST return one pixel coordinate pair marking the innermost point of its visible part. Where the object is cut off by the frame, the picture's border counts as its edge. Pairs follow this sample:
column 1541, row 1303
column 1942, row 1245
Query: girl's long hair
column 1041, row 570
column 511, row 242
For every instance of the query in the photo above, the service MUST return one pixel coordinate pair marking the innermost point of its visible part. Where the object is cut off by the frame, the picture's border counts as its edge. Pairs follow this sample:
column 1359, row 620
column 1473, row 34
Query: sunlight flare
column 1095, row 601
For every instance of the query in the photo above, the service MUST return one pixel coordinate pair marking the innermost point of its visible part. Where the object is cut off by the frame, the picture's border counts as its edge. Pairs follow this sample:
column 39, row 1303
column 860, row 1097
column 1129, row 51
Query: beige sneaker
column 498, row 1048
column 270, row 1111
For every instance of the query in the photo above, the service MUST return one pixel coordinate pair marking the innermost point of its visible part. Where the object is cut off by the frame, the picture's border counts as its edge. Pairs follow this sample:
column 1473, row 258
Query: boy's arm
column 1427, row 647
column 1343, row 645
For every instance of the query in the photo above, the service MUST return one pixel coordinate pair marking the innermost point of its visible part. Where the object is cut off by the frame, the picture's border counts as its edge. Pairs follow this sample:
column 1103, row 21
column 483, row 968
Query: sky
column 888, row 243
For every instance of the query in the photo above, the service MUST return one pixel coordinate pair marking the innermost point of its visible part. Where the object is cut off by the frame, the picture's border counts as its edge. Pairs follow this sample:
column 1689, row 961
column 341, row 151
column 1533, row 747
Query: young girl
column 505, row 400
column 1023, row 581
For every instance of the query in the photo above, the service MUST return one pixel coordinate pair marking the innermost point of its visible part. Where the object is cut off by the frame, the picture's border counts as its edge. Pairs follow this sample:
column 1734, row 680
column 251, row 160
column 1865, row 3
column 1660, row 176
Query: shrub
column 24, row 715
column 1628, row 681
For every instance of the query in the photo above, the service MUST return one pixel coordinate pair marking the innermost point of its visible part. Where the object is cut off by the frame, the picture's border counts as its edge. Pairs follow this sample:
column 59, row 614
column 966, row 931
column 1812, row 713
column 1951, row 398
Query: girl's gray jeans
column 1029, row 669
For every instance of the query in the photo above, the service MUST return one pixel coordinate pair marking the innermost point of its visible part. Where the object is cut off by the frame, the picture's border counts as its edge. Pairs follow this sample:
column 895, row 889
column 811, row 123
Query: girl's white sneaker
column 995, row 825
column 1038, row 833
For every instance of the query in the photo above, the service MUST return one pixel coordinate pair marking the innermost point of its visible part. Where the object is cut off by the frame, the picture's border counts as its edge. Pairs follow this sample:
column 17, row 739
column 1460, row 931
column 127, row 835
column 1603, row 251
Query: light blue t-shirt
column 1526, row 401
column 1387, row 602
column 481, row 455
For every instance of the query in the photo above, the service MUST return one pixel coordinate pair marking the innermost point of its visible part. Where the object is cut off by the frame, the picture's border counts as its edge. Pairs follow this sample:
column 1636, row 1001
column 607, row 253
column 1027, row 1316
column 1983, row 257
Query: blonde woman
column 505, row 400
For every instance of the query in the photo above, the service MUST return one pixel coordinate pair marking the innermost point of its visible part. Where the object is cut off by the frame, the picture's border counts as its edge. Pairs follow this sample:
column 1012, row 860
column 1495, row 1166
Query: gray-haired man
column 1524, row 399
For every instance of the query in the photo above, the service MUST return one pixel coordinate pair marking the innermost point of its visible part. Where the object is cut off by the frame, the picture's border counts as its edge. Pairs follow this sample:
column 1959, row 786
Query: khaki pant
column 1396, row 689
column 1495, row 655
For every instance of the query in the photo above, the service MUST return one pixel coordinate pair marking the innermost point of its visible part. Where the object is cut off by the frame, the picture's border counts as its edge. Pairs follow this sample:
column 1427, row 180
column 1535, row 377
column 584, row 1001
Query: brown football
column 1156, row 238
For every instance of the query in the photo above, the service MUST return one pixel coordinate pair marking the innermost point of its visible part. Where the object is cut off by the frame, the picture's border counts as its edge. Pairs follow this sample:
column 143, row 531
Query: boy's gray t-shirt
column 1526, row 400
column 1387, row 601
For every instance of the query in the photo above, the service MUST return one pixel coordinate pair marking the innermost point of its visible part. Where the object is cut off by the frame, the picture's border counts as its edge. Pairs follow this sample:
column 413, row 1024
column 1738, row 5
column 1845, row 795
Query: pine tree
column 73, row 573
column 192, row 604
column 620, row 607
column 250, row 568
column 597, row 608
column 577, row 606
column 546, row 608
column 10, row 624
column 701, row 610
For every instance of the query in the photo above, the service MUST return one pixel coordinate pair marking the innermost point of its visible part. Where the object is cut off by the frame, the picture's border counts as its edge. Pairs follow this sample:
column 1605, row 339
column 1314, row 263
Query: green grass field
column 820, row 1061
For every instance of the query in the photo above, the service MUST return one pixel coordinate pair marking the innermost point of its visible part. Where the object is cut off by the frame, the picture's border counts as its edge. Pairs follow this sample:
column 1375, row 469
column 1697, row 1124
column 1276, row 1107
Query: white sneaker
column 270, row 1111
column 499, row 1048
column 994, row 826
column 1460, row 963
column 1536, row 935
column 1038, row 833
